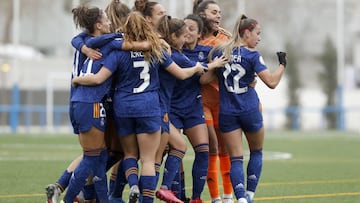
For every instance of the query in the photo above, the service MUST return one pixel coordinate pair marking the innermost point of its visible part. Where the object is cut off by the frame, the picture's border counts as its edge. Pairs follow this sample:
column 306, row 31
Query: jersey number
column 144, row 75
column 241, row 72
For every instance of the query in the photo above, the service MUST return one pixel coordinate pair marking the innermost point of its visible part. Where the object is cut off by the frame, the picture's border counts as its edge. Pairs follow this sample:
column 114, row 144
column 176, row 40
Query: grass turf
column 299, row 167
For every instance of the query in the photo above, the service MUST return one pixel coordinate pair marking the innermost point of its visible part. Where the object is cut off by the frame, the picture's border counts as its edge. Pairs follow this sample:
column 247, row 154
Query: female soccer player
column 213, row 35
column 88, row 117
column 136, row 102
column 174, row 32
column 239, row 103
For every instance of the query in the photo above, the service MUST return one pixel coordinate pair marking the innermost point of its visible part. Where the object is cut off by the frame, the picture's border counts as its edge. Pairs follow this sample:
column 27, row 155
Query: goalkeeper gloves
column 281, row 57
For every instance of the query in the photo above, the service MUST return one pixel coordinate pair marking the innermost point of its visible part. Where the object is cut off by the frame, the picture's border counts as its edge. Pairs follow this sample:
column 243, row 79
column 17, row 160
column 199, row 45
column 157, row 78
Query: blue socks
column 148, row 187
column 254, row 169
column 200, row 169
column 172, row 166
column 237, row 176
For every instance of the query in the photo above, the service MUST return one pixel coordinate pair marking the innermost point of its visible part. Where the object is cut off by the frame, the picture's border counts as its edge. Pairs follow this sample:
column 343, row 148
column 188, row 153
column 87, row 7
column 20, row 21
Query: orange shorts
column 210, row 97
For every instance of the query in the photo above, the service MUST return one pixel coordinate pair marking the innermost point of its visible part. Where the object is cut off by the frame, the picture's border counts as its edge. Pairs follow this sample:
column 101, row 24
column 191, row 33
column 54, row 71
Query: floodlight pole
column 340, row 63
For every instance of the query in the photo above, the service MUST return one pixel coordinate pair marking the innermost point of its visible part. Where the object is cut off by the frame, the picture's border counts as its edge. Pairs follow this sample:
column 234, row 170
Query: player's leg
column 254, row 132
column 148, row 146
column 93, row 145
column 225, row 165
column 254, row 168
column 230, row 127
column 198, row 137
column 213, row 170
column 172, row 165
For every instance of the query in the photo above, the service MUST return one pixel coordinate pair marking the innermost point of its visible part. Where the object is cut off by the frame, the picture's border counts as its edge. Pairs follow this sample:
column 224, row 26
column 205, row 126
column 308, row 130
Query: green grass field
column 299, row 167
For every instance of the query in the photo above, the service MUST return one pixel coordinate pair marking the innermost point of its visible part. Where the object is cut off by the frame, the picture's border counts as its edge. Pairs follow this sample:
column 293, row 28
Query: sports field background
column 299, row 167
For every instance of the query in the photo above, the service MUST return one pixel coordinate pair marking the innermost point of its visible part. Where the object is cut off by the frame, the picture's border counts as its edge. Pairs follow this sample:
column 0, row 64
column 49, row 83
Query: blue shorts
column 188, row 118
column 72, row 118
column 165, row 123
column 86, row 115
column 128, row 125
column 248, row 122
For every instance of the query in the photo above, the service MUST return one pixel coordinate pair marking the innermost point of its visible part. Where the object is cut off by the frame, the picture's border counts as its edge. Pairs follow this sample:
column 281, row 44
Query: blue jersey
column 137, row 84
column 236, row 96
column 79, row 58
column 186, row 91
column 91, row 94
column 92, row 42
column 167, row 84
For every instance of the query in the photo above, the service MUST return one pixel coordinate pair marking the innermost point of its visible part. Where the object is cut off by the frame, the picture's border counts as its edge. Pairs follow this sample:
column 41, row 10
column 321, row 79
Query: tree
column 9, row 20
column 328, row 80
column 294, row 84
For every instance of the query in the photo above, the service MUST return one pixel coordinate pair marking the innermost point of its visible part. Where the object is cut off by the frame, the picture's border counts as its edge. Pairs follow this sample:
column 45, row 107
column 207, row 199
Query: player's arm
column 78, row 42
column 101, row 40
column 184, row 73
column 273, row 79
column 208, row 77
column 92, row 79
column 218, row 62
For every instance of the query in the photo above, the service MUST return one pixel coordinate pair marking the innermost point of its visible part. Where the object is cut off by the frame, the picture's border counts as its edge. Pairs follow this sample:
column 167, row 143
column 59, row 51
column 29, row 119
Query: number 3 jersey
column 236, row 96
column 137, row 84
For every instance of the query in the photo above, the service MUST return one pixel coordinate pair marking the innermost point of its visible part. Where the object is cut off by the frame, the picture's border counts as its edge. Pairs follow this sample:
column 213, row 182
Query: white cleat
column 52, row 193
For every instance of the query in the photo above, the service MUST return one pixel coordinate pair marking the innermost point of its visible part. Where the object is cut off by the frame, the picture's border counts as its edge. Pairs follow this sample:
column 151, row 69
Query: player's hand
column 220, row 61
column 73, row 81
column 282, row 58
column 91, row 53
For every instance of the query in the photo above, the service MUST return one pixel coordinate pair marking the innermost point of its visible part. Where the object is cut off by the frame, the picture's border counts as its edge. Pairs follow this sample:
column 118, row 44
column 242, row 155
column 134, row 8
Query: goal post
column 51, row 85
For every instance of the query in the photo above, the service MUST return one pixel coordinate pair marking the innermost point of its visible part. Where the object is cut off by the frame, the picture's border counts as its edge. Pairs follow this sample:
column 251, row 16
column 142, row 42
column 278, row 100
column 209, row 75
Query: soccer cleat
column 216, row 200
column 242, row 200
column 134, row 194
column 247, row 196
column 186, row 200
column 167, row 196
column 228, row 200
column 196, row 200
column 52, row 193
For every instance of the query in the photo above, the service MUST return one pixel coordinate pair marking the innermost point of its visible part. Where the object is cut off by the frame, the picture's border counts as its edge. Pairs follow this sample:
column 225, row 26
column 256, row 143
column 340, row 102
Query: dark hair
column 86, row 18
column 168, row 26
column 198, row 21
column 146, row 8
column 195, row 5
column 201, row 7
column 246, row 24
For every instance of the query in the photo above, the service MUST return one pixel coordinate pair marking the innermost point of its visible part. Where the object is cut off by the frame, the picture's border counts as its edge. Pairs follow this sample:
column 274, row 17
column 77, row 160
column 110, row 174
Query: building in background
column 47, row 27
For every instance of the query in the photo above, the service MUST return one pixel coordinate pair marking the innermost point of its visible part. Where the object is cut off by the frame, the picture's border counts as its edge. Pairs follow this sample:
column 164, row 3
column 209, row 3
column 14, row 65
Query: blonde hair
column 243, row 23
column 117, row 13
column 137, row 29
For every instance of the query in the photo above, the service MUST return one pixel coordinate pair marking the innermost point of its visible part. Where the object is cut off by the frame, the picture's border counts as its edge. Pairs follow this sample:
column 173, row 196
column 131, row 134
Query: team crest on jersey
column 261, row 60
column 166, row 117
column 201, row 56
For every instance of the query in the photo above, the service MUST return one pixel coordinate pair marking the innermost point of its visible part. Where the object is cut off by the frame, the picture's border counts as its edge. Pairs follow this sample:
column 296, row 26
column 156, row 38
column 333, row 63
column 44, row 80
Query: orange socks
column 213, row 176
column 225, row 173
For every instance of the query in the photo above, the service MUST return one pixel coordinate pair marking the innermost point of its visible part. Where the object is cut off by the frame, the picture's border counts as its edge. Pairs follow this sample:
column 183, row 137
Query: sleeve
column 112, row 61
column 167, row 60
column 182, row 60
column 258, row 62
column 99, row 41
column 79, row 40
column 216, row 53
column 117, row 44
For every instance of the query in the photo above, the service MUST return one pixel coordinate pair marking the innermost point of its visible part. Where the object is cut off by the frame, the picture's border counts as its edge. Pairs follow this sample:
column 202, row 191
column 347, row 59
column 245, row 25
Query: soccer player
column 239, row 102
column 214, row 35
column 186, row 107
column 89, row 116
column 136, row 102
